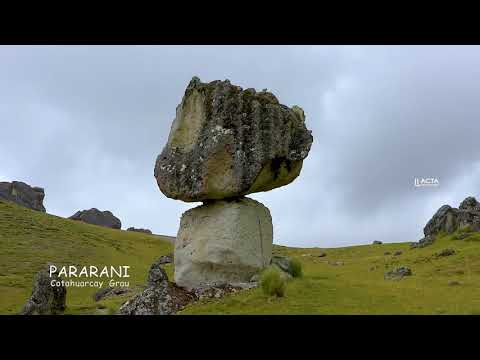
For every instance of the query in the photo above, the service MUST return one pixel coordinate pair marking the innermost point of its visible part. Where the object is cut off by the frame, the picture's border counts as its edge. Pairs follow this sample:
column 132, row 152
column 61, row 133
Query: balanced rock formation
column 97, row 217
column 225, row 143
column 224, row 241
column 228, row 142
column 145, row 231
column 23, row 194
column 46, row 299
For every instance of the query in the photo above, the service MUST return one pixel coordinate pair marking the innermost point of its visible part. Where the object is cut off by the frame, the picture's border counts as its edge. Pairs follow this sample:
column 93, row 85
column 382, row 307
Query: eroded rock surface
column 161, row 297
column 228, row 142
column 45, row 299
column 165, row 299
column 23, row 194
column 448, row 219
column 225, row 241
column 97, row 217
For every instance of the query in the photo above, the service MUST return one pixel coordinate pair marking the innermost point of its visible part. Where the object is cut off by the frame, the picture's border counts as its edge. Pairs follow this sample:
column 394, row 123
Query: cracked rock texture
column 448, row 219
column 224, row 241
column 228, row 142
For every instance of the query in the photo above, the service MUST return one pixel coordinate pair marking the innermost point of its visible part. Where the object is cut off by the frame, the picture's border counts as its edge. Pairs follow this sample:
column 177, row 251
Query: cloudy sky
column 87, row 122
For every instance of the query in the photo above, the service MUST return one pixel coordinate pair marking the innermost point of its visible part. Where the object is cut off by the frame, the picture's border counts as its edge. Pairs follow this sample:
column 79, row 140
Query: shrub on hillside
column 272, row 282
column 296, row 266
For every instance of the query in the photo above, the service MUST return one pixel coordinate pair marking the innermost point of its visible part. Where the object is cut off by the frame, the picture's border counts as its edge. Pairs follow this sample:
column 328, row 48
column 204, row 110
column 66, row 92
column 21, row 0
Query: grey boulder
column 23, row 194
column 46, row 299
column 165, row 299
column 160, row 298
column 398, row 273
column 228, row 142
column 224, row 241
column 157, row 276
column 97, row 217
column 145, row 231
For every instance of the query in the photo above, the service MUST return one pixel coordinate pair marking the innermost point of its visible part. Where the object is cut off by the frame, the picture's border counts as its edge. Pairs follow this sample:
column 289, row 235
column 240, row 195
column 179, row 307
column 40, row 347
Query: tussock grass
column 272, row 282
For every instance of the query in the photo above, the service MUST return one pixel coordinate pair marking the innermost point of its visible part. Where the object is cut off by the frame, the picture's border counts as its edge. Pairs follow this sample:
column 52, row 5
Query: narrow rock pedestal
column 224, row 241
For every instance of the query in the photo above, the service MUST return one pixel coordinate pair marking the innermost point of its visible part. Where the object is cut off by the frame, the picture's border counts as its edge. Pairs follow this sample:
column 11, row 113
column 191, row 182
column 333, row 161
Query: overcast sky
column 87, row 122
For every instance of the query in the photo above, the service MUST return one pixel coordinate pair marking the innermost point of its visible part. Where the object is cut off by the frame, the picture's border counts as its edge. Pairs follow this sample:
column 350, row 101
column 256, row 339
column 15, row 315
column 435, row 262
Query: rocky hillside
column 29, row 239
column 441, row 278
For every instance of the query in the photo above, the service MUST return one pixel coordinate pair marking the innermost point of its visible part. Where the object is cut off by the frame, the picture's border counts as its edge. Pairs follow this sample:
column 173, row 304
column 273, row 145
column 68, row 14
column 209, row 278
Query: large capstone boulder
column 224, row 241
column 97, row 217
column 46, row 299
column 23, row 194
column 228, row 142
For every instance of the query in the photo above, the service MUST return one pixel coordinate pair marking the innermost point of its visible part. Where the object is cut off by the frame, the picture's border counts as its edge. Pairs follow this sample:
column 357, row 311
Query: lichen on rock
column 228, row 142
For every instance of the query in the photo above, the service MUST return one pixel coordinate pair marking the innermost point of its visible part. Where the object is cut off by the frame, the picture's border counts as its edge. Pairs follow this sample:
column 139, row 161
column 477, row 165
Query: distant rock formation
column 23, row 194
column 146, row 231
column 226, row 142
column 46, row 299
column 449, row 220
column 97, row 217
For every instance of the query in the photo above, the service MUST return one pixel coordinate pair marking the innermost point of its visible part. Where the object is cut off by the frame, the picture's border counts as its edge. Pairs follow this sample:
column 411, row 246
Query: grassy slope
column 358, row 287
column 29, row 239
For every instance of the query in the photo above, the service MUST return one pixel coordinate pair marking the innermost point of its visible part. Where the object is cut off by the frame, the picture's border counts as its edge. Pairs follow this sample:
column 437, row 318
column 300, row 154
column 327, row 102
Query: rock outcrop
column 97, row 217
column 23, row 194
column 161, row 297
column 46, row 299
column 448, row 220
column 225, row 241
column 228, row 142
column 145, row 231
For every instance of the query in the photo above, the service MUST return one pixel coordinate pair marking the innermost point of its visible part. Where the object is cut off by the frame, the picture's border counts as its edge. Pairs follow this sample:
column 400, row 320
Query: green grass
column 30, row 239
column 358, row 286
